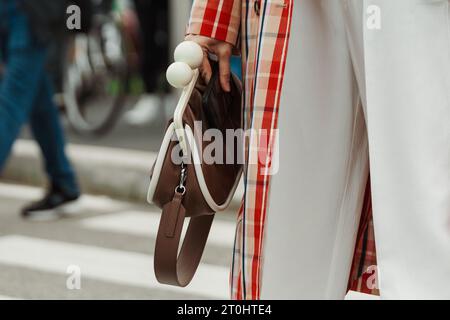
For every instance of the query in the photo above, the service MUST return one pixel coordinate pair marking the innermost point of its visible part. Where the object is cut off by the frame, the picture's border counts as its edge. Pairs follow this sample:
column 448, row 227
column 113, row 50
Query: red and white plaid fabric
column 261, row 30
column 363, row 274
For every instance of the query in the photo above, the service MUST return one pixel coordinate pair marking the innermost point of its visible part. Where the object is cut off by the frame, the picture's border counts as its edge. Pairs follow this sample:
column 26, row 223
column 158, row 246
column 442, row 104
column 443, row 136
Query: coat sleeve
column 218, row 19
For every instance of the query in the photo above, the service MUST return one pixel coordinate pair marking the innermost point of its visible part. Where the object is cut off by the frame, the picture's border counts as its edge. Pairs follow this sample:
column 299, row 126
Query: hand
column 223, row 52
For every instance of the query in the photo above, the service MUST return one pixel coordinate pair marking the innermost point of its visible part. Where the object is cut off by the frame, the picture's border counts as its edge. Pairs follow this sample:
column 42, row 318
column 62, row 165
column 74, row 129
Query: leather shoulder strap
column 170, row 267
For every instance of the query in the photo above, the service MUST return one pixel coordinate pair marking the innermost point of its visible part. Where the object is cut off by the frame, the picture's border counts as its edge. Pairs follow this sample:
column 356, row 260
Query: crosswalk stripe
column 7, row 298
column 146, row 224
column 121, row 267
column 15, row 191
column 126, row 158
column 27, row 193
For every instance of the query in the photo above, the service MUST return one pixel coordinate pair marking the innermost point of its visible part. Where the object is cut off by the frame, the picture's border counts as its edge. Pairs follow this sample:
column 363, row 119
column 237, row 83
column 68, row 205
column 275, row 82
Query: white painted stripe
column 353, row 295
column 146, row 224
column 87, row 202
column 15, row 191
column 125, row 268
column 8, row 298
column 125, row 158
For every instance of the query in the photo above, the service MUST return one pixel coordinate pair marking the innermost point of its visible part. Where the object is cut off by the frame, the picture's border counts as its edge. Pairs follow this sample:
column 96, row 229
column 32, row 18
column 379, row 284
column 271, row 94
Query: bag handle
column 170, row 267
column 183, row 74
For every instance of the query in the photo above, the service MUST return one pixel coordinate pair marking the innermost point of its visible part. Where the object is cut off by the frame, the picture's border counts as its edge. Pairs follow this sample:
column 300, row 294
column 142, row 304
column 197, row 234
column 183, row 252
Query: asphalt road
column 106, row 247
column 103, row 251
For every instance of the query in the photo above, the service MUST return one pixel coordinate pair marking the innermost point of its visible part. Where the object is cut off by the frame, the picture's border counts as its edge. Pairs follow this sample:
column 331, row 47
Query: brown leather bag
column 194, row 189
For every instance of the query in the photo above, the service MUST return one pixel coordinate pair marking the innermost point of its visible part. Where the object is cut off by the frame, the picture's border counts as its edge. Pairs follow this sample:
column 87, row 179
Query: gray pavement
column 111, row 242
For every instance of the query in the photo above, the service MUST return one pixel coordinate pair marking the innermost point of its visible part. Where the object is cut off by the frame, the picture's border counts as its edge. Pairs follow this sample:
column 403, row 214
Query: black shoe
column 55, row 204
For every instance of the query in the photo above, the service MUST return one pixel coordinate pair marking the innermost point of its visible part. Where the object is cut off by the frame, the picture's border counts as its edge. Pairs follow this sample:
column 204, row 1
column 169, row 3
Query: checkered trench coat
column 260, row 29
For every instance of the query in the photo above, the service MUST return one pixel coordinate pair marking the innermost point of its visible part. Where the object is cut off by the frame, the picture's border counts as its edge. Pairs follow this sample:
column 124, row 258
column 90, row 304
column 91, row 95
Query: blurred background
column 114, row 102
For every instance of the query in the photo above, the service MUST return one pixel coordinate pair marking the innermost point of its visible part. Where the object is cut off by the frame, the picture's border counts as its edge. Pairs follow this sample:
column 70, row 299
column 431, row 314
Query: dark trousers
column 154, row 19
column 26, row 96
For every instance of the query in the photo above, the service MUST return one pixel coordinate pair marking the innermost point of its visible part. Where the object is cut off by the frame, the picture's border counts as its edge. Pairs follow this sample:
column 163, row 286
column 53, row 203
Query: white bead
column 179, row 74
column 189, row 52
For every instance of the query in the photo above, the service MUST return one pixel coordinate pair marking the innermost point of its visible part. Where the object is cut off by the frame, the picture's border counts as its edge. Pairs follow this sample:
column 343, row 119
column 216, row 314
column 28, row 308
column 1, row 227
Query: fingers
column 205, row 70
column 223, row 51
column 225, row 70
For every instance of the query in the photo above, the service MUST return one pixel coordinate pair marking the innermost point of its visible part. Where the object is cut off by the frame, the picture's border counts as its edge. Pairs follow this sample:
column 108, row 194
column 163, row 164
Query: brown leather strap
column 170, row 267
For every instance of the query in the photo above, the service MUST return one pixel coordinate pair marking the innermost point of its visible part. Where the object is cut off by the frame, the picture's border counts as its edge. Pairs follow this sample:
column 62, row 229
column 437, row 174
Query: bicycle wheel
column 96, row 79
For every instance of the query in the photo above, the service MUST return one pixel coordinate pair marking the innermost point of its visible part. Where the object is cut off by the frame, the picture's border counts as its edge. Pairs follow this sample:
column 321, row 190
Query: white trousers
column 367, row 81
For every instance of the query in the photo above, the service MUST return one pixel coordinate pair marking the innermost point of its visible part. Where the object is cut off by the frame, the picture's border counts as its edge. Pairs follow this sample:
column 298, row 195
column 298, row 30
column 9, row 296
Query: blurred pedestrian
column 154, row 24
column 26, row 26
column 58, row 48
